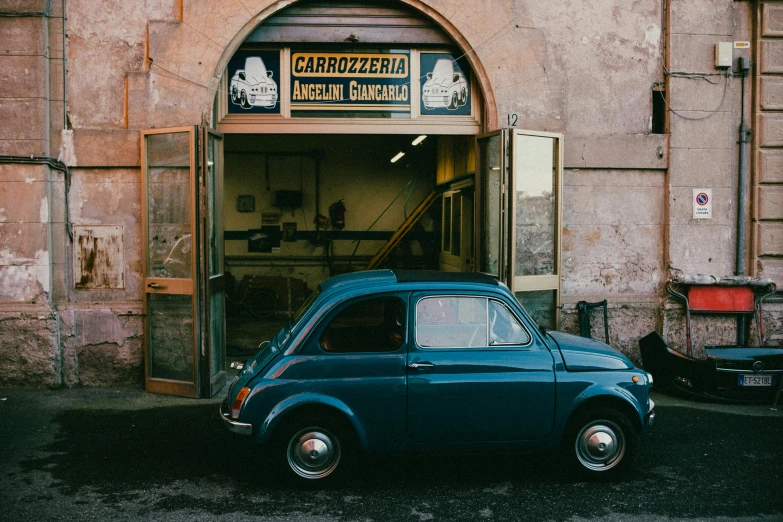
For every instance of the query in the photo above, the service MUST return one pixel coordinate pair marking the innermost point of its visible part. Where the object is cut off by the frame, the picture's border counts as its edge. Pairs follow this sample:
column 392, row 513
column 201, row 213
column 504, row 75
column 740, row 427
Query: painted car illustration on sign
column 253, row 85
column 444, row 87
column 418, row 361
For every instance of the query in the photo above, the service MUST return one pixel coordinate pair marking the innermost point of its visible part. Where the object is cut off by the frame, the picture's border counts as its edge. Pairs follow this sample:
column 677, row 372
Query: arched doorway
column 367, row 110
column 371, row 112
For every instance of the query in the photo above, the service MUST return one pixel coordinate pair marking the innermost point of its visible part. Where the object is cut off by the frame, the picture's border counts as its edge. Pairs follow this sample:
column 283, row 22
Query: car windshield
column 285, row 332
column 305, row 306
column 444, row 69
column 255, row 68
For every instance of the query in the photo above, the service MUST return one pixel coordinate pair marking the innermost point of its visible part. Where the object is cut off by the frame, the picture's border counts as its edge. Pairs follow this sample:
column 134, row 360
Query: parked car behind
column 406, row 361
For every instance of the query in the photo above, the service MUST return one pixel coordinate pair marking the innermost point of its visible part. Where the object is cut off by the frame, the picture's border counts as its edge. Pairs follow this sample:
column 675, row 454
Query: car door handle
column 421, row 366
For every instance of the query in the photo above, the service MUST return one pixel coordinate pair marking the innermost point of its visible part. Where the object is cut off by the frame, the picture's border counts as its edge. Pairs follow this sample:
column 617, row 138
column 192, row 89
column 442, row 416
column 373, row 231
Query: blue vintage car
column 412, row 361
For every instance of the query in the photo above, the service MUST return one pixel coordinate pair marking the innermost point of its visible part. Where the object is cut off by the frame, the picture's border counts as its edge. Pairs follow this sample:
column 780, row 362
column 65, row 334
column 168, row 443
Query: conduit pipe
column 742, row 193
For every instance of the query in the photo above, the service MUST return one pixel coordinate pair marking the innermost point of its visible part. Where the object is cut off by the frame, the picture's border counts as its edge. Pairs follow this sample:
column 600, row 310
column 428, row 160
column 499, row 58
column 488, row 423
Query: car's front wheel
column 453, row 102
column 313, row 450
column 601, row 442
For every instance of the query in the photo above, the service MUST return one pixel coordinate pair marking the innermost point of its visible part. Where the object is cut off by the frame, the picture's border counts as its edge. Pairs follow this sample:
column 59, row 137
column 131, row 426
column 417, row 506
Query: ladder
column 406, row 226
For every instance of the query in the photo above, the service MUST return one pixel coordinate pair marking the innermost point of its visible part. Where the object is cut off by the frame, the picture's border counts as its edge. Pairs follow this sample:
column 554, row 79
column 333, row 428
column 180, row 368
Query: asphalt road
column 96, row 454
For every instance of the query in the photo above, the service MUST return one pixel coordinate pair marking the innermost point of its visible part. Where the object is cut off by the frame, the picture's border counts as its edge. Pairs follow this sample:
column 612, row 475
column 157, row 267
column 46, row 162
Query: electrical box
column 724, row 54
column 288, row 198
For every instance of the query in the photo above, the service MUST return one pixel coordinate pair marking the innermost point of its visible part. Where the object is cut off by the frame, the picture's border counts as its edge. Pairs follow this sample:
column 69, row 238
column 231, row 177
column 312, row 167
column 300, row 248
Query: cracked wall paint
column 23, row 279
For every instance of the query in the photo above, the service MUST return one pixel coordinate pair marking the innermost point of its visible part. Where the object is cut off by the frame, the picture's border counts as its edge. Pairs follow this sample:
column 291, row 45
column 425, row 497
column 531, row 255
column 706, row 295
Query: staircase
column 406, row 227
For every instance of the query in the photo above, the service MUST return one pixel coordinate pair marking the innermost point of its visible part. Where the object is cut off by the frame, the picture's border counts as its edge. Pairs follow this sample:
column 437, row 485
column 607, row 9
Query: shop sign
column 350, row 82
column 445, row 86
column 252, row 84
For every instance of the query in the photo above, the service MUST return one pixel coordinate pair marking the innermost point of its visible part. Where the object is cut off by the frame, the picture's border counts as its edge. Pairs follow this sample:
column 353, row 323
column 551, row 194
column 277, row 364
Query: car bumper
column 649, row 419
column 232, row 425
column 266, row 100
column 435, row 102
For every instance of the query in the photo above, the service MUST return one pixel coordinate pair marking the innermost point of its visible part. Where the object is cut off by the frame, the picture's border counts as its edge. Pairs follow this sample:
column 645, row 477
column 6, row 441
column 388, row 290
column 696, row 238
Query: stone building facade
column 646, row 118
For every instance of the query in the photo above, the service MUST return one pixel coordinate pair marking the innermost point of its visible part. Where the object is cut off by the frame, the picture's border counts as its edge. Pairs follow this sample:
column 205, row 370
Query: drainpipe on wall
column 743, row 68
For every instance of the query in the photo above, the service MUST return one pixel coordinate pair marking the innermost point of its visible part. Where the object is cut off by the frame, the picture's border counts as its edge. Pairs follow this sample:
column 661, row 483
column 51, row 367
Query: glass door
column 182, row 224
column 212, row 268
column 535, row 222
column 491, row 189
column 169, row 260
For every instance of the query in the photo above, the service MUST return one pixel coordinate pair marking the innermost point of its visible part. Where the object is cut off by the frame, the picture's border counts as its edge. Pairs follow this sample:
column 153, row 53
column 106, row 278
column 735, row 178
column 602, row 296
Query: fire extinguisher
column 337, row 215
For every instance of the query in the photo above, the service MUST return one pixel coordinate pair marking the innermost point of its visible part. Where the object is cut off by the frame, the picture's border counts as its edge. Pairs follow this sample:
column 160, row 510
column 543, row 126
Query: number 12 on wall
column 512, row 120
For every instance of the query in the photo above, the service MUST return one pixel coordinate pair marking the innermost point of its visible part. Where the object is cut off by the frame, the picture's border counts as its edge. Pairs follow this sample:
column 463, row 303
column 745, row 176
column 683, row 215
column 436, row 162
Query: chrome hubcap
column 313, row 453
column 600, row 445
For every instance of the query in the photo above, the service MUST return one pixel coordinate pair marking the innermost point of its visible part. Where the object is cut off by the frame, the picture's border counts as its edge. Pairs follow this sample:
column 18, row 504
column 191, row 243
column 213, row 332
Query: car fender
column 600, row 391
column 282, row 409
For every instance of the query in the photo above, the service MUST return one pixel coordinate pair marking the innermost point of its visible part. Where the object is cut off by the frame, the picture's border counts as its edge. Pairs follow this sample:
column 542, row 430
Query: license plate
column 756, row 380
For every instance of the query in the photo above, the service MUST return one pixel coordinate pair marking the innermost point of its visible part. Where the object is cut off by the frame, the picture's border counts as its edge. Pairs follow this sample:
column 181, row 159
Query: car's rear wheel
column 601, row 442
column 234, row 95
column 313, row 450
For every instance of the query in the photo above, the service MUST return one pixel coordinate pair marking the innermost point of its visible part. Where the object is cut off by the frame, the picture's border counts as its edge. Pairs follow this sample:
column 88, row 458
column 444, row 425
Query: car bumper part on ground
column 232, row 425
column 649, row 419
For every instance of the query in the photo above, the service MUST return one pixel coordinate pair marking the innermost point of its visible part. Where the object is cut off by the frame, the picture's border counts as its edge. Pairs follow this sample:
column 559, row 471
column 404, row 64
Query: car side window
column 504, row 328
column 451, row 322
column 466, row 322
column 372, row 325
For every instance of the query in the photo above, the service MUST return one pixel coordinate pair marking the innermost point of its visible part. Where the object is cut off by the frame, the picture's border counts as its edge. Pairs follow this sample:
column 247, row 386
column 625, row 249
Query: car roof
column 390, row 277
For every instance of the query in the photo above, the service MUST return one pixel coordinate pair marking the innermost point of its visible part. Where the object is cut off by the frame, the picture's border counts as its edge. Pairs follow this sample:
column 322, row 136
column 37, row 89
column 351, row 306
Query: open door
column 522, row 215
column 536, row 222
column 493, row 170
column 212, row 267
column 183, row 302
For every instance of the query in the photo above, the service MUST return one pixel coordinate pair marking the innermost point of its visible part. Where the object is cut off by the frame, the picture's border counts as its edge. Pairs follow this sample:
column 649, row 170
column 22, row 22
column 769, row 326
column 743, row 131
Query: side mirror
column 429, row 76
column 456, row 78
column 242, row 75
column 269, row 74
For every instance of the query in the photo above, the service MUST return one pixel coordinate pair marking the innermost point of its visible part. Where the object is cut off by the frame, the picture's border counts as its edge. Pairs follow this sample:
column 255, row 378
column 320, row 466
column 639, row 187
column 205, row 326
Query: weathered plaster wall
column 580, row 67
column 703, row 135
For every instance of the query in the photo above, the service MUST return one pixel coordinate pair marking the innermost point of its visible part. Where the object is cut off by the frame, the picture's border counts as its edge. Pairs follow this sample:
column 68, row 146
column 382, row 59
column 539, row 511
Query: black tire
column 463, row 97
column 243, row 100
column 313, row 451
column 234, row 95
column 600, row 442
column 453, row 102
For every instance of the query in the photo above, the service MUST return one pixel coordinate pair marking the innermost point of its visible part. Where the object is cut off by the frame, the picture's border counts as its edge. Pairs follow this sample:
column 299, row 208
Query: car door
column 356, row 357
column 475, row 373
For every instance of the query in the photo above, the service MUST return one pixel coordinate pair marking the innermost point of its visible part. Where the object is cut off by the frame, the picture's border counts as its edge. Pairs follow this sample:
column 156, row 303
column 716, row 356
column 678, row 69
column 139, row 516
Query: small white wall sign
column 702, row 203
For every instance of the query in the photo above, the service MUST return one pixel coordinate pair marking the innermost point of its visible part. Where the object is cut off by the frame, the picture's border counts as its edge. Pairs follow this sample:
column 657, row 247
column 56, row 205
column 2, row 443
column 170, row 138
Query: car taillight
column 238, row 402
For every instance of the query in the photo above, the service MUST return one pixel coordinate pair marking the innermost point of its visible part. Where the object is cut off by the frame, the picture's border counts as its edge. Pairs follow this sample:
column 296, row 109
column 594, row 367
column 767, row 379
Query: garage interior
column 299, row 209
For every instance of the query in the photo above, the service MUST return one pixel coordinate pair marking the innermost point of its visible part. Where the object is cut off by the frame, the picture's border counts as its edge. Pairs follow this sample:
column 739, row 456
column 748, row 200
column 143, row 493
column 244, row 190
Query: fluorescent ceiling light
column 419, row 139
column 398, row 156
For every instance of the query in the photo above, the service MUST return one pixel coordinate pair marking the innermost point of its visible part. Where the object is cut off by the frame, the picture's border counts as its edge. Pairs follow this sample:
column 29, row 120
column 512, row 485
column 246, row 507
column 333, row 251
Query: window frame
column 503, row 346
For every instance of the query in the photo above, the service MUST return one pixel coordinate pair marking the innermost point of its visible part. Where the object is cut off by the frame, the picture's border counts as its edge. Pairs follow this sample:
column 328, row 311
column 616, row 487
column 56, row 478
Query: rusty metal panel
column 99, row 257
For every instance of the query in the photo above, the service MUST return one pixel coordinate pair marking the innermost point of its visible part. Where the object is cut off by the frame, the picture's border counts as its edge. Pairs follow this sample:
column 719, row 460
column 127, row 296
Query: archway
column 286, row 159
